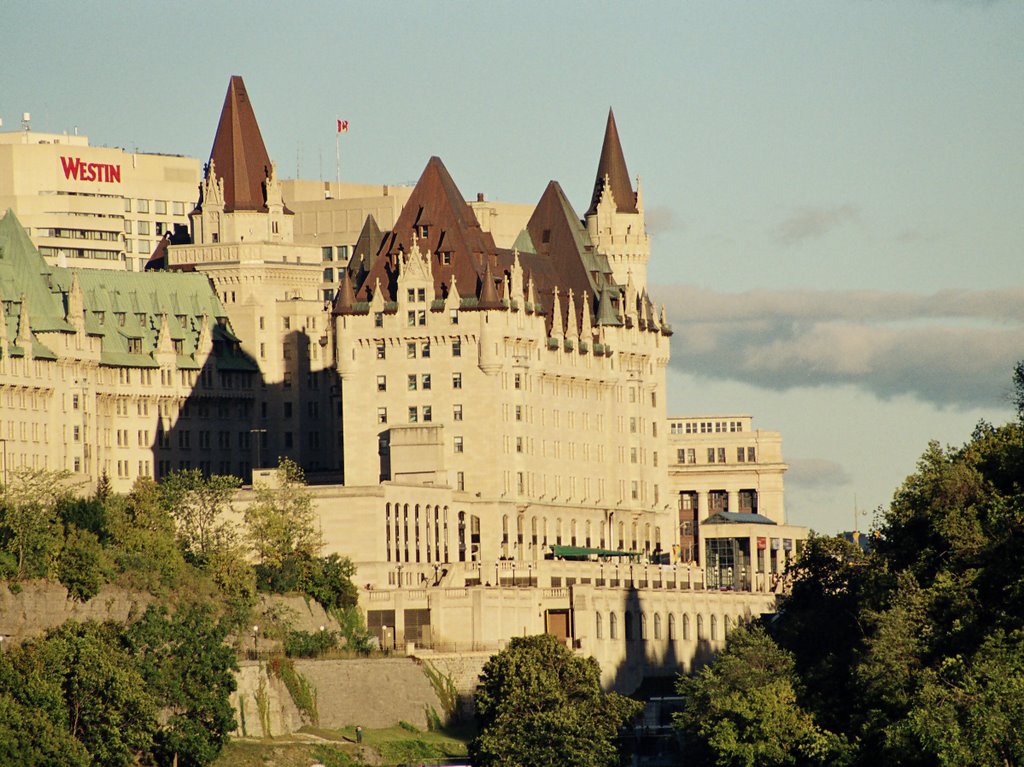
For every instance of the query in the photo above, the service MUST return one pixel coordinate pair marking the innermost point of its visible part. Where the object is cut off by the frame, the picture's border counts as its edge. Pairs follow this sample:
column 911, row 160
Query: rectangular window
column 428, row 414
column 460, row 480
column 519, row 412
column 414, row 415
column 410, row 295
column 328, row 275
column 425, row 349
column 457, row 348
column 142, row 206
column 457, row 412
column 751, row 455
column 453, row 315
column 518, row 379
column 421, row 294
column 143, row 227
column 711, row 455
column 681, row 455
column 457, row 444
column 378, row 319
column 691, row 455
column 160, row 207
column 382, row 415
column 382, row 383
column 412, row 382
column 456, row 380
column 721, row 455
column 328, row 253
column 179, row 209
column 425, row 381
column 741, row 455
column 381, row 350
column 421, row 317
column 411, row 318
column 410, row 350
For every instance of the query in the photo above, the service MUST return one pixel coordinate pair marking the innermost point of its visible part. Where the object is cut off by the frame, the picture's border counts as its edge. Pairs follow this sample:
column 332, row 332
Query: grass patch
column 398, row 744
column 253, row 753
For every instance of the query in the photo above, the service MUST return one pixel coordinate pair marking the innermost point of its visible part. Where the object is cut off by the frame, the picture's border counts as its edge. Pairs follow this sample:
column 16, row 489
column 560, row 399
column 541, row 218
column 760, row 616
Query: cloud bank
column 816, row 472
column 954, row 348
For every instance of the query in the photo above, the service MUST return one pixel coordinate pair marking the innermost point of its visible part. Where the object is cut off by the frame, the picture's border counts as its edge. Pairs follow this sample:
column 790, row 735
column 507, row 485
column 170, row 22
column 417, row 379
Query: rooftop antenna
column 26, row 121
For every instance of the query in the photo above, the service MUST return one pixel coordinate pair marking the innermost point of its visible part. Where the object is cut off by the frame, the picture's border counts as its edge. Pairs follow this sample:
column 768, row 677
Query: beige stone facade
column 479, row 401
column 94, row 207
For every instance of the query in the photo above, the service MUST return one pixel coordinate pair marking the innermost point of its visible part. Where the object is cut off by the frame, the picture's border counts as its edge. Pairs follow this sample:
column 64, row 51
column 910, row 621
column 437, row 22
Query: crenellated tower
column 615, row 219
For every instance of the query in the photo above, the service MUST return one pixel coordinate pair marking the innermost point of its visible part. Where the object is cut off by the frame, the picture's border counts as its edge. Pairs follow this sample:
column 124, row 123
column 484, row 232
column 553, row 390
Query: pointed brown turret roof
column 613, row 165
column 344, row 299
column 364, row 252
column 438, row 215
column 239, row 154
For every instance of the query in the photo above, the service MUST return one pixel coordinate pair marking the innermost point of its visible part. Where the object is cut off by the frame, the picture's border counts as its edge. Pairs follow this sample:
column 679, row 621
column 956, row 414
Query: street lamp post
column 255, row 639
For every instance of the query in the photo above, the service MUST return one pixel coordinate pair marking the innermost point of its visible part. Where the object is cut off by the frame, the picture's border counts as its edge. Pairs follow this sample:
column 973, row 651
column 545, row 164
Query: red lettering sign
column 75, row 169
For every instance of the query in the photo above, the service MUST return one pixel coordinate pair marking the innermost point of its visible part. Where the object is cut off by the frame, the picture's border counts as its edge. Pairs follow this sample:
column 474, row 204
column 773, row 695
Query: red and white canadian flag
column 342, row 126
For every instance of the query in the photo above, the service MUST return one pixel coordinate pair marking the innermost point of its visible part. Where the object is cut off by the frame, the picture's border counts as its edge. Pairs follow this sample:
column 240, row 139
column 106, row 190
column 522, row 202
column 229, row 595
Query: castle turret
column 615, row 219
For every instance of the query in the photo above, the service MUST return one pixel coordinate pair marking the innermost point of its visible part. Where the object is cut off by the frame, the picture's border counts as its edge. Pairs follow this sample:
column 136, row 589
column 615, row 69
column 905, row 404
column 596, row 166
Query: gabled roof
column 239, row 154
column 613, row 165
column 451, row 227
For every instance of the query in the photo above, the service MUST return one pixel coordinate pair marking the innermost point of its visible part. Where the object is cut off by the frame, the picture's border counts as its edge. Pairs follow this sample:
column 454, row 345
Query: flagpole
column 337, row 155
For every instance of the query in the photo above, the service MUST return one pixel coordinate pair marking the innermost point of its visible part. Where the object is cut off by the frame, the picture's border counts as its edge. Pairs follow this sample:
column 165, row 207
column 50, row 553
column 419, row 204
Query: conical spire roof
column 613, row 165
column 239, row 154
column 364, row 252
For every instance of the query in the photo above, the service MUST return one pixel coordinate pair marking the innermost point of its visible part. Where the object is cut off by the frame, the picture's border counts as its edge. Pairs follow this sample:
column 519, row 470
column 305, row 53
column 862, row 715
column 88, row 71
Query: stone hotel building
column 477, row 392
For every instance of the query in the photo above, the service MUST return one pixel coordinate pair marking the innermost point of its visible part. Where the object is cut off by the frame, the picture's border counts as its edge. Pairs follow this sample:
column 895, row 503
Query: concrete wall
column 371, row 693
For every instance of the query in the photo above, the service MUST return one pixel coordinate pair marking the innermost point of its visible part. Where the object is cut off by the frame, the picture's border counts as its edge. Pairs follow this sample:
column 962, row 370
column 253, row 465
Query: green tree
column 971, row 711
column 82, row 565
column 281, row 521
column 198, row 504
column 30, row 516
column 538, row 704
column 80, row 680
column 144, row 543
column 742, row 710
column 29, row 738
column 188, row 667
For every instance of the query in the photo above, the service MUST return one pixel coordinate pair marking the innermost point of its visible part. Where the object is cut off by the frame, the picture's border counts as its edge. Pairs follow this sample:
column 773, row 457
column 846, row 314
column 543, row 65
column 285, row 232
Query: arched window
column 634, row 541
column 597, row 626
column 587, row 539
column 657, row 625
column 572, row 534
column 622, row 535
column 387, row 529
column 504, row 529
column 727, row 625
column 686, row 627
column 462, row 536
column 558, row 532
column 628, row 621
column 714, row 628
column 700, row 627
column 672, row 627
column 643, row 625
column 533, row 531
column 613, row 626
column 647, row 537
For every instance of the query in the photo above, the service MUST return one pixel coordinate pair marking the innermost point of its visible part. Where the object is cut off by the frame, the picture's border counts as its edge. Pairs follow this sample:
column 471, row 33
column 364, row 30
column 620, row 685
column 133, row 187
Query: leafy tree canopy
column 539, row 704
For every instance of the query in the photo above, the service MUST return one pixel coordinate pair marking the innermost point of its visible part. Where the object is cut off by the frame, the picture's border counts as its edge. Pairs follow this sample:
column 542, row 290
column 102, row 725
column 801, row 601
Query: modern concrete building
column 94, row 207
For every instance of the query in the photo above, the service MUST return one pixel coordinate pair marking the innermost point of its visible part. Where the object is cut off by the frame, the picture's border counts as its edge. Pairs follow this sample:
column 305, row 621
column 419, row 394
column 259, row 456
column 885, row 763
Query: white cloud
column 952, row 348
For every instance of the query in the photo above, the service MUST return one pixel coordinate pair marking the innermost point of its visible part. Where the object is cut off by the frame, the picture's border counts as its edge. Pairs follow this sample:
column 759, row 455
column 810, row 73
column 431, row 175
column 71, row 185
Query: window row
column 637, row 627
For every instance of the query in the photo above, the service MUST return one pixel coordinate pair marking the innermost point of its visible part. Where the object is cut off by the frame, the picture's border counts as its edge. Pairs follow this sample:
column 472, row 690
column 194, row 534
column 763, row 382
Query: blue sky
column 835, row 191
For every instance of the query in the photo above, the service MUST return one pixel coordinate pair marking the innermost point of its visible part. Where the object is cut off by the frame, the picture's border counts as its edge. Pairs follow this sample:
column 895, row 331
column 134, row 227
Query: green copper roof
column 125, row 309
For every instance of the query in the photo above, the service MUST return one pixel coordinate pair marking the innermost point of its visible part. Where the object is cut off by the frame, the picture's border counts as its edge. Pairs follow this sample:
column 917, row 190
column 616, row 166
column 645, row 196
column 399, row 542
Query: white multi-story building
column 94, row 207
